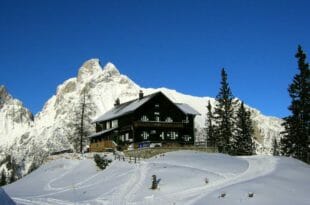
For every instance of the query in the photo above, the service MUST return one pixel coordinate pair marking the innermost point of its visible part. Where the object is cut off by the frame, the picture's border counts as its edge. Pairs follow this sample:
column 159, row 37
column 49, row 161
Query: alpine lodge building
column 149, row 119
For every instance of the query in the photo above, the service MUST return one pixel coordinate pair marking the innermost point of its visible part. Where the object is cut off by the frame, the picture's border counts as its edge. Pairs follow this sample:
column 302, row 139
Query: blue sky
column 177, row 44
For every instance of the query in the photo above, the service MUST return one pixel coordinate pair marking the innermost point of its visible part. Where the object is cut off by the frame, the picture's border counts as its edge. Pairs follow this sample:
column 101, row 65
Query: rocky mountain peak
column 88, row 69
column 111, row 70
column 4, row 95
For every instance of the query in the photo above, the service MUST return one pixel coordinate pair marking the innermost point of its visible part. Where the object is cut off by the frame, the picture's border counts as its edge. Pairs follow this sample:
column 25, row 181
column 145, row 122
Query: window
column 186, row 120
column 156, row 113
column 121, row 138
column 187, row 138
column 153, row 131
column 144, row 118
column 169, row 119
column 108, row 125
column 157, row 105
column 173, row 135
column 145, row 135
column 162, row 135
column 157, row 118
column 114, row 123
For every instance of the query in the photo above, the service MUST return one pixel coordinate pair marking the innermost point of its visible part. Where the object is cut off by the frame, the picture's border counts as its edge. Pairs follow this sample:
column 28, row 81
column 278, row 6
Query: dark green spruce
column 210, row 127
column 3, row 178
column 242, row 142
column 224, row 116
column 296, row 139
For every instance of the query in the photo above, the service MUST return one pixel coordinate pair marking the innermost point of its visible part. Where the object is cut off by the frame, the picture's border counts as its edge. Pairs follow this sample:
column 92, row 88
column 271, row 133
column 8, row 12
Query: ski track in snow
column 255, row 170
column 124, row 194
column 43, row 198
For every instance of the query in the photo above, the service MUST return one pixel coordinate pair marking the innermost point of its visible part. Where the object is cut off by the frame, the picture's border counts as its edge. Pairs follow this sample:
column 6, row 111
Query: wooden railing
column 156, row 124
column 150, row 152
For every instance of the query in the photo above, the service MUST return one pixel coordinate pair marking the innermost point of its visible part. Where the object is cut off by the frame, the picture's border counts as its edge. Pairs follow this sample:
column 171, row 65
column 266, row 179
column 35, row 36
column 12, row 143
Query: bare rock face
column 110, row 70
column 4, row 95
column 89, row 69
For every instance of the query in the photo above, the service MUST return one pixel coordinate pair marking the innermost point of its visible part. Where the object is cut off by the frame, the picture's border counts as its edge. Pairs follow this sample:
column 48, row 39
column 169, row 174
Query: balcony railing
column 156, row 124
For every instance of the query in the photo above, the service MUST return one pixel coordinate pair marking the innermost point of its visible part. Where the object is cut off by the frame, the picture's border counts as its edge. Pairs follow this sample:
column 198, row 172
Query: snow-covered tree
column 296, row 139
column 80, row 123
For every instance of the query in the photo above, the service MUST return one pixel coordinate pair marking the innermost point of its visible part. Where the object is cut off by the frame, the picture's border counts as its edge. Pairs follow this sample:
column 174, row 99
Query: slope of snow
column 273, row 180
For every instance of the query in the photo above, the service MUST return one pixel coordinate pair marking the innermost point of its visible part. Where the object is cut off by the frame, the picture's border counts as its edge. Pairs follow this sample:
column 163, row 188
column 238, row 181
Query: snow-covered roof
column 187, row 109
column 131, row 106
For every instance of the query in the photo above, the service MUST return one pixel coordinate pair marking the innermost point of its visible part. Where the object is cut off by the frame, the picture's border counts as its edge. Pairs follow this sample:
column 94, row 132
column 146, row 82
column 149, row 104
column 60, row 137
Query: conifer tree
column 275, row 147
column 3, row 178
column 242, row 143
column 224, row 115
column 296, row 139
column 210, row 127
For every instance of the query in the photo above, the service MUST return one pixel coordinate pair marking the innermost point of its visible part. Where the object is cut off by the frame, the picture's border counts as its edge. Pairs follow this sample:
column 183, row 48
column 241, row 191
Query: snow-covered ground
column 272, row 180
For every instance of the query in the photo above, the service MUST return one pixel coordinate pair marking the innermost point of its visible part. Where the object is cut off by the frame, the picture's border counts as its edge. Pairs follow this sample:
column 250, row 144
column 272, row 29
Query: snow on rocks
column 89, row 69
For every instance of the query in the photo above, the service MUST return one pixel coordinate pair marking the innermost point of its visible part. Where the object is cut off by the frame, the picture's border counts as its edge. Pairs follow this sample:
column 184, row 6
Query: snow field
column 272, row 180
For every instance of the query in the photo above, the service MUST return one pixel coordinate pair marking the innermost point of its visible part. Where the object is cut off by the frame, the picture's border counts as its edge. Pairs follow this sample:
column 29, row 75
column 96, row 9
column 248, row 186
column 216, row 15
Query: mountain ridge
column 50, row 130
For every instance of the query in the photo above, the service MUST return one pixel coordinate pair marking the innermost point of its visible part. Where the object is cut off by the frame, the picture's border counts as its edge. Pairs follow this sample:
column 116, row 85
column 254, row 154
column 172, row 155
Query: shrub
column 101, row 162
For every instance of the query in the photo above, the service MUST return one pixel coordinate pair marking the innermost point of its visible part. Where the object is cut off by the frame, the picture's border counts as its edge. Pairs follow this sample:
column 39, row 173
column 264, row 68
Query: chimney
column 117, row 102
column 140, row 94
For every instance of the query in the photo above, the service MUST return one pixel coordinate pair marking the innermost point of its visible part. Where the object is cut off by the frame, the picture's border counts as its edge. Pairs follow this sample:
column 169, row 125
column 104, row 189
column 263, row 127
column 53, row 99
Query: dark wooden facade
column 151, row 118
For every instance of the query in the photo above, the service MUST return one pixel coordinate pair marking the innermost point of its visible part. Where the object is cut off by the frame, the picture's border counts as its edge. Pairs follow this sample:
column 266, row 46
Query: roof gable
column 131, row 106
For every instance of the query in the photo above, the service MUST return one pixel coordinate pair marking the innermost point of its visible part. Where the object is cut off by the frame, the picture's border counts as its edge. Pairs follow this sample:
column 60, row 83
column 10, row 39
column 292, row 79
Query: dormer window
column 144, row 118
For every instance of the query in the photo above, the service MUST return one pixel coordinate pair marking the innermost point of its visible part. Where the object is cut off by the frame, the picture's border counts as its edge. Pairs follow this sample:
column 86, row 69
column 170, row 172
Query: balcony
column 156, row 124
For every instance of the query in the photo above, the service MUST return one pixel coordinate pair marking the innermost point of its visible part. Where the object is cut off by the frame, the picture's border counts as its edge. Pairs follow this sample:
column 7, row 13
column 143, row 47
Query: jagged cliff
column 30, row 139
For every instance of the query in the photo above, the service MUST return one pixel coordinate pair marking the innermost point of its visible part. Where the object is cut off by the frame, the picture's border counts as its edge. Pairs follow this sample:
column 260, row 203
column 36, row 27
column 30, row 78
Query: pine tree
column 3, row 178
column 243, row 143
column 210, row 136
column 13, row 176
column 224, row 115
column 14, row 172
column 296, row 139
column 275, row 147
